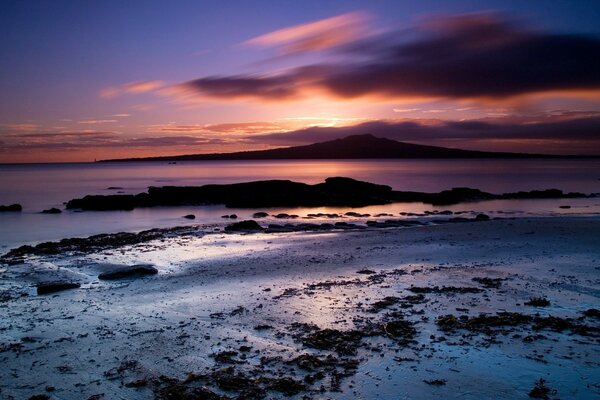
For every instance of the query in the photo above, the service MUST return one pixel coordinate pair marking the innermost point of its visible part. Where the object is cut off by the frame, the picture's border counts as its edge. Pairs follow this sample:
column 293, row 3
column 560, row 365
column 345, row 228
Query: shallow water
column 42, row 186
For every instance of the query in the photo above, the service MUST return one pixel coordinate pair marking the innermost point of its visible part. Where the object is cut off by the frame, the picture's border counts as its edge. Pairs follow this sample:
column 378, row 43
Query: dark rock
column 342, row 342
column 189, row 216
column 488, row 324
column 114, row 188
column 248, row 225
column 125, row 271
column 444, row 289
column 287, row 386
column 12, row 207
column 435, row 382
column 52, row 210
column 365, row 272
column 336, row 191
column 538, row 302
column 540, row 390
column 260, row 215
column 53, row 287
column 564, row 207
column 104, row 203
column 93, row 243
column 482, row 217
column 592, row 313
column 490, row 283
column 542, row 194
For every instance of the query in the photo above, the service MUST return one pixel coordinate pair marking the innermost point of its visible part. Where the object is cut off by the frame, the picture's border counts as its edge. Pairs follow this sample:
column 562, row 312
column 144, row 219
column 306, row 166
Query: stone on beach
column 128, row 271
column 248, row 225
column 53, row 287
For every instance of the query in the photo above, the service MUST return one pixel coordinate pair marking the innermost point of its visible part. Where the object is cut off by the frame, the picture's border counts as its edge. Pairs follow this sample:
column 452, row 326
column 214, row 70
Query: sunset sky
column 85, row 80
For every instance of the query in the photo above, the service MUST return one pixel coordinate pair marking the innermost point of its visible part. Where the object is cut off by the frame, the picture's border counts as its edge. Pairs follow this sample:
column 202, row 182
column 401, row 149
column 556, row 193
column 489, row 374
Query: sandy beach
column 435, row 311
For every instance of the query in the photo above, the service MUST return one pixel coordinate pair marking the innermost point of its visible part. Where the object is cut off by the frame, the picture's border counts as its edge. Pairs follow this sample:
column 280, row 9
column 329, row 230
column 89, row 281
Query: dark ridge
column 351, row 147
column 12, row 207
column 335, row 192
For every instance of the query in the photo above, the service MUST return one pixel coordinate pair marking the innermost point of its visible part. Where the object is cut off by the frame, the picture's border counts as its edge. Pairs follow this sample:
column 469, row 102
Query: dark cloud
column 460, row 57
column 574, row 131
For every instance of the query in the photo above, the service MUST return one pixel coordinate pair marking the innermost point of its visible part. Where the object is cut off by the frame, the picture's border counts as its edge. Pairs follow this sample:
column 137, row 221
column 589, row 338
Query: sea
column 42, row 186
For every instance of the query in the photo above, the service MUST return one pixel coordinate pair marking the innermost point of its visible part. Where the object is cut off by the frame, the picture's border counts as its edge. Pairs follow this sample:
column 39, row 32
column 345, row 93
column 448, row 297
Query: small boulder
column 53, row 287
column 248, row 225
column 261, row 214
column 128, row 271
column 482, row 217
column 189, row 216
column 52, row 210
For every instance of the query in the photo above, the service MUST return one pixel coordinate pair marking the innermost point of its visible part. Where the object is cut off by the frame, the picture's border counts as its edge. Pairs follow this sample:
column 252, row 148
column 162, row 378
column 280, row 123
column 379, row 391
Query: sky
column 81, row 81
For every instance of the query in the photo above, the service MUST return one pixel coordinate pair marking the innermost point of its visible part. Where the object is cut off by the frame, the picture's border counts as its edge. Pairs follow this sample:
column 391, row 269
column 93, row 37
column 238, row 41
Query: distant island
column 350, row 147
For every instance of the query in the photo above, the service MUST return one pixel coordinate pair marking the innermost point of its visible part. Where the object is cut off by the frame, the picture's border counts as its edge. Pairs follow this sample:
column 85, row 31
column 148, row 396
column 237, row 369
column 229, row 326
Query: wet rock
column 260, row 214
column 248, row 225
column 538, row 302
column 52, row 210
column 541, row 391
column 382, row 304
column 489, row 283
column 12, row 207
column 400, row 330
column 435, row 382
column 342, row 342
column 177, row 390
column 287, row 386
column 53, row 287
column 488, row 324
column 125, row 272
column 189, row 216
column 444, row 289
column 592, row 313
column 365, row 272
column 114, row 202
column 226, row 357
column 93, row 243
column 482, row 217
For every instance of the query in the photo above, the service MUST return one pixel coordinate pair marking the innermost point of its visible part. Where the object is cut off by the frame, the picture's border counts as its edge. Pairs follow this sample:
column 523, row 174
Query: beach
column 432, row 311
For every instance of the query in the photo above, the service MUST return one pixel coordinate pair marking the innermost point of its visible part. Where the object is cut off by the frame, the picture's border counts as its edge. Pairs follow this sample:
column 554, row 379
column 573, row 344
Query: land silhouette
column 351, row 147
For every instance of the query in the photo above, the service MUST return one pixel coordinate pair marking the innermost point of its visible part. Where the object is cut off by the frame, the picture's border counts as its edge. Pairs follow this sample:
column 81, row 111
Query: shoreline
column 212, row 291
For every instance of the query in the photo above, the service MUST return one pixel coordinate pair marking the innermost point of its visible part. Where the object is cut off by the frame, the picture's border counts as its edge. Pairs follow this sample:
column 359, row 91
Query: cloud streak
column 465, row 57
column 132, row 88
column 315, row 36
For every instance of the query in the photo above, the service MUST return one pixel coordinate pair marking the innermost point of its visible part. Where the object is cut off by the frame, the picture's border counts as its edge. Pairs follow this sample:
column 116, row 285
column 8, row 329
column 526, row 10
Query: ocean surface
column 40, row 186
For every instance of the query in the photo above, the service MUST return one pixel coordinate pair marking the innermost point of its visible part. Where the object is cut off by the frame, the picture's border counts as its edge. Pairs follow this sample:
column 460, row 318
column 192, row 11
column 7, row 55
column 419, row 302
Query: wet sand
column 373, row 313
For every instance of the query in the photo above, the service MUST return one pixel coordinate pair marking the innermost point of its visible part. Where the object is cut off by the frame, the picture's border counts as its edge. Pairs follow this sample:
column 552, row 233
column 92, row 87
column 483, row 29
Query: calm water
column 38, row 187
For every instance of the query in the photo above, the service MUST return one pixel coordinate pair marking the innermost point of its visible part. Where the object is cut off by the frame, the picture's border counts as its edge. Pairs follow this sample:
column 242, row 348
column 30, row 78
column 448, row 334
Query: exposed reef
column 334, row 192
column 12, row 207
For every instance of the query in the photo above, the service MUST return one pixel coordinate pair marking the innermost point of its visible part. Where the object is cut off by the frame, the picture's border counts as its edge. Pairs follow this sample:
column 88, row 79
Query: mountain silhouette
column 351, row 147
